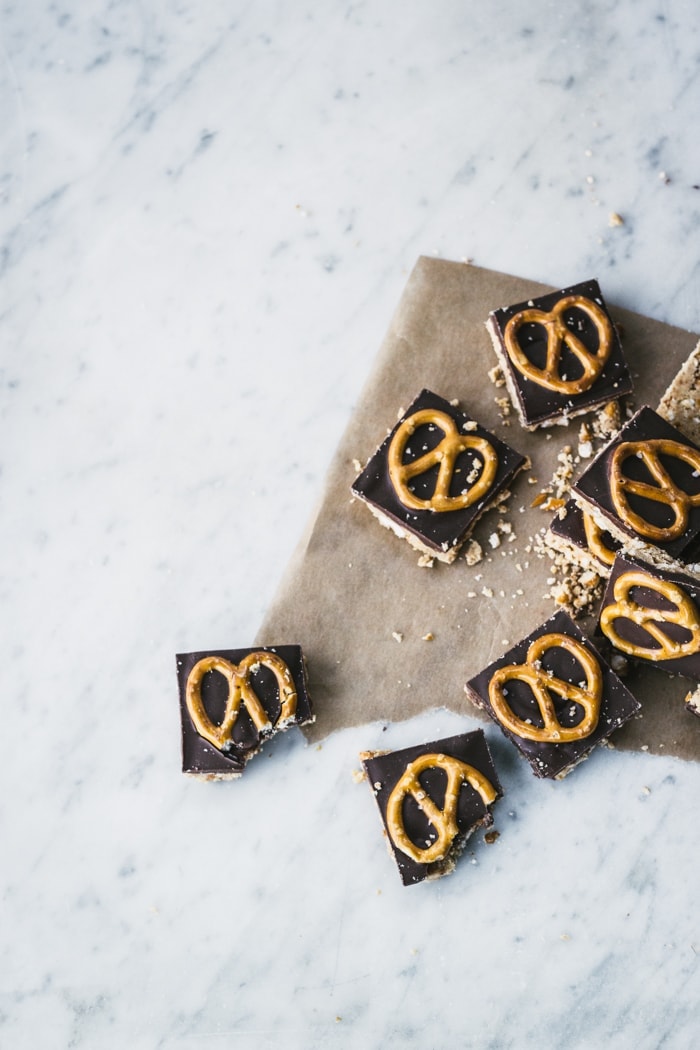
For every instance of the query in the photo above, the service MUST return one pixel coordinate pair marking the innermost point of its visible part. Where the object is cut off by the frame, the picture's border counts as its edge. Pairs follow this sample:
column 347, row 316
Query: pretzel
column 664, row 491
column 443, row 820
column 594, row 539
column 558, row 334
column 542, row 684
column 445, row 454
column 240, row 690
column 684, row 615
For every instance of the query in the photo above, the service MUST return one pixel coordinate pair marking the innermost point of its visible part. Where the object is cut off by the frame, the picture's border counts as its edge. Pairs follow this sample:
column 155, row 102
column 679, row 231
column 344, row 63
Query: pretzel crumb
column 571, row 586
column 473, row 553
column 607, row 421
column 496, row 376
column 505, row 408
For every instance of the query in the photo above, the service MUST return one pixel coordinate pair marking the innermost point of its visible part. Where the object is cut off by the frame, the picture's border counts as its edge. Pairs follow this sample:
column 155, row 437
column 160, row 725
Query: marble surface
column 208, row 214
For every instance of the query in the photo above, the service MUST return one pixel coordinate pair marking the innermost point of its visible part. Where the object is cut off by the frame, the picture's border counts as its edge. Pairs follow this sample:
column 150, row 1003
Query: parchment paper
column 353, row 588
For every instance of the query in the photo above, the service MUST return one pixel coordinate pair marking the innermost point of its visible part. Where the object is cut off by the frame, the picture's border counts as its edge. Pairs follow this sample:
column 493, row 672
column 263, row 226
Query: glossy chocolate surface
column 537, row 403
column 653, row 599
column 443, row 530
column 385, row 770
column 550, row 759
column 595, row 487
column 199, row 756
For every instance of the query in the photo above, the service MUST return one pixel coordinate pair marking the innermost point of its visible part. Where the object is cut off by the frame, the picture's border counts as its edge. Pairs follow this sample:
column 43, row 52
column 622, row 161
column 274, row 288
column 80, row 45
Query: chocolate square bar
column 431, row 798
column 435, row 475
column 232, row 700
column 644, row 487
column 560, row 354
column 553, row 696
column 652, row 615
column 577, row 535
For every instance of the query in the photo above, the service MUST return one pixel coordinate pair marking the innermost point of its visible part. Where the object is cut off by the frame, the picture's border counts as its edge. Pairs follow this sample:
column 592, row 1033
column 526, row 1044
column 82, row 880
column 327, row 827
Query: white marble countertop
column 209, row 212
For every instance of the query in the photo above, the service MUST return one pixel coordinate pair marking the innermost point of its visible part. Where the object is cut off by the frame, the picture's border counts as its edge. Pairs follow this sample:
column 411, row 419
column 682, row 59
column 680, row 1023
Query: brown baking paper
column 354, row 595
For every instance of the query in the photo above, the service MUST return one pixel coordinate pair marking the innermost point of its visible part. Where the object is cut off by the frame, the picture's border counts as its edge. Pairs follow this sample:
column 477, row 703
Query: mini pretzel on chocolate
column 665, row 490
column 443, row 820
column 445, row 454
column 542, row 684
column 594, row 539
column 651, row 620
column 240, row 690
column 559, row 335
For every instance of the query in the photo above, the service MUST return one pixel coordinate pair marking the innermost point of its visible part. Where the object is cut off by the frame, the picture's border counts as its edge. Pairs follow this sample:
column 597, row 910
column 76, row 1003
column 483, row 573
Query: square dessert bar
column 644, row 487
column 435, row 475
column 232, row 700
column 560, row 354
column 553, row 696
column 652, row 615
column 431, row 798
column 581, row 539
column 680, row 404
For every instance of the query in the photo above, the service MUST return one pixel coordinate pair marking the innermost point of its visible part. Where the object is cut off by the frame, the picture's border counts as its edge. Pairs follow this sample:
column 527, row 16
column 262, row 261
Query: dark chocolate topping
column 439, row 530
column 539, row 404
column 594, row 485
column 199, row 756
column 642, row 644
column 552, row 759
column 385, row 770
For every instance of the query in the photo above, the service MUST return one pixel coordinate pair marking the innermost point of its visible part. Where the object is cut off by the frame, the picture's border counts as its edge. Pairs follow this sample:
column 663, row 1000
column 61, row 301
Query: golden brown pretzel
column 558, row 334
column 445, row 454
column 541, row 684
column 664, row 491
column 594, row 539
column 443, row 820
column 240, row 690
column 684, row 615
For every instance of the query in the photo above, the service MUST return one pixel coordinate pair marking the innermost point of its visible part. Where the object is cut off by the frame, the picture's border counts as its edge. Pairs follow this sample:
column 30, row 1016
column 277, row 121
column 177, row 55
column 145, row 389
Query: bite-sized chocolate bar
column 553, row 696
column 560, row 354
column 431, row 798
column 577, row 535
column 435, row 474
column 232, row 700
column 652, row 615
column 644, row 487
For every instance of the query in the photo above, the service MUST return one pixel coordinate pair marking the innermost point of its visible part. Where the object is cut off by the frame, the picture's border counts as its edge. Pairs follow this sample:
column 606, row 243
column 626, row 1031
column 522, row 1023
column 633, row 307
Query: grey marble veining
column 208, row 213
